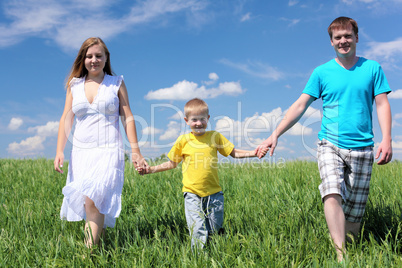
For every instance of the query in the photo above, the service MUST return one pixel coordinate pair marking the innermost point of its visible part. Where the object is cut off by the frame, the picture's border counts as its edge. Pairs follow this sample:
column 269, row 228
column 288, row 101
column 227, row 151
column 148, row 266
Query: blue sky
column 250, row 60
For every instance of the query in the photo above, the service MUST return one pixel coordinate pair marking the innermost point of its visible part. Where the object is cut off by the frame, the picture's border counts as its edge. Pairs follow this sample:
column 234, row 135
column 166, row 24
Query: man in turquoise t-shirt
column 348, row 86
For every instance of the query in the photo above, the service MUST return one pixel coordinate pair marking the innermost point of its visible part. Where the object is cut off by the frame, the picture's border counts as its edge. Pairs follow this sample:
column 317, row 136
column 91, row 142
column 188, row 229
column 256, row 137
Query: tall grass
column 273, row 218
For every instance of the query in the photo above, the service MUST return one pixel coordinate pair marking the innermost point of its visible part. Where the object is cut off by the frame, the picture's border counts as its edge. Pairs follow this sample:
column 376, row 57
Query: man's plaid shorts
column 346, row 172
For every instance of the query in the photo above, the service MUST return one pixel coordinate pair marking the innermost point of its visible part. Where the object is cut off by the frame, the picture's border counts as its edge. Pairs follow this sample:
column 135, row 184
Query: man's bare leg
column 336, row 222
column 352, row 228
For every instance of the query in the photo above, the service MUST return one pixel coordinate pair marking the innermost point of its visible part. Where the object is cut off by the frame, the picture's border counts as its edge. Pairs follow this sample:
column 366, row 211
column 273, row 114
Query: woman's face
column 95, row 59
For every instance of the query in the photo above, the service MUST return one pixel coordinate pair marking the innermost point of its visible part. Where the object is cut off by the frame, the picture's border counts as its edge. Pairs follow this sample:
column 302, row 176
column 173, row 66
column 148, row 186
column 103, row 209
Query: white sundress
column 96, row 167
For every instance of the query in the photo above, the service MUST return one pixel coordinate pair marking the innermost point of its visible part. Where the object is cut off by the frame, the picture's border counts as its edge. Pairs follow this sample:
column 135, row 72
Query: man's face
column 344, row 42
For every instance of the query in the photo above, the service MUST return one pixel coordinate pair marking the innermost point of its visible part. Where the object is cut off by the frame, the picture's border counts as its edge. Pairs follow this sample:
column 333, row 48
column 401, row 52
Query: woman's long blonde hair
column 78, row 70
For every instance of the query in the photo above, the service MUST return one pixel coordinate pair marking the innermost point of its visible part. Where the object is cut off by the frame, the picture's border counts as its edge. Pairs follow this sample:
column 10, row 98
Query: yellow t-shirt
column 200, row 161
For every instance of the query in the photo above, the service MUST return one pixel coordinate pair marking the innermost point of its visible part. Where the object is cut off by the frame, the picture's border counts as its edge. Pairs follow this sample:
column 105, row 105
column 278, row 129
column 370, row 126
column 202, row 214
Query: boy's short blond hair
column 195, row 105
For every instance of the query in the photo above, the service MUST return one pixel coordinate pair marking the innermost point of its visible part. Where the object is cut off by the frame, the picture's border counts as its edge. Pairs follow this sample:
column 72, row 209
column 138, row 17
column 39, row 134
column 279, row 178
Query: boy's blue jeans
column 204, row 216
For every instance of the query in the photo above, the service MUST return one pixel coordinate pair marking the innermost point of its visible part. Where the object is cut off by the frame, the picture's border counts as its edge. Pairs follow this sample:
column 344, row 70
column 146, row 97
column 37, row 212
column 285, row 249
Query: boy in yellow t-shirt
column 198, row 150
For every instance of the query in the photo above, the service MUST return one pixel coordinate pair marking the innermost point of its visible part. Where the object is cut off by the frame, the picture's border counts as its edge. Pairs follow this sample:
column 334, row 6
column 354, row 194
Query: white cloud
column 50, row 129
column 397, row 144
column 349, row 2
column 265, row 123
column 33, row 145
column 151, row 131
column 387, row 53
column 145, row 145
column 394, row 120
column 246, row 17
column 186, row 90
column 397, row 94
column 299, row 130
column 256, row 69
column 378, row 2
column 293, row 2
column 15, row 123
column 253, row 130
column 213, row 76
column 27, row 147
column 395, row 124
column 227, row 88
column 94, row 4
column 228, row 126
column 376, row 7
column 291, row 22
column 177, row 116
column 68, row 24
column 173, row 131
column 181, row 90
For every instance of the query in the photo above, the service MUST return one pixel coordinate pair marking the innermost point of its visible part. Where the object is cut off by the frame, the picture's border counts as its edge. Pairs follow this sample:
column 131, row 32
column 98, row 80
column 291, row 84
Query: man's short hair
column 342, row 23
column 195, row 104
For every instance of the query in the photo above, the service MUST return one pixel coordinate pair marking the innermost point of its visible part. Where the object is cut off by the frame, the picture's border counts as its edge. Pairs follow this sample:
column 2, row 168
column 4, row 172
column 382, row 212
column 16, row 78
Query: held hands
column 140, row 164
column 58, row 162
column 385, row 150
column 264, row 147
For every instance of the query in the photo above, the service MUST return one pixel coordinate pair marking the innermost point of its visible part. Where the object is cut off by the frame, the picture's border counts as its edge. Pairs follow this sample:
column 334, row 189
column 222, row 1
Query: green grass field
column 273, row 218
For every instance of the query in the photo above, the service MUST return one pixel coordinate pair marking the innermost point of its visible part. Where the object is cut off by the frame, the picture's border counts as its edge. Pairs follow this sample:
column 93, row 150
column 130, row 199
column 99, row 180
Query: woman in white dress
column 96, row 169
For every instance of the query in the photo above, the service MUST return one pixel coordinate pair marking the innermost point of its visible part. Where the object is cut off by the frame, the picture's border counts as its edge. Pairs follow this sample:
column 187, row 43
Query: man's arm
column 385, row 120
column 293, row 115
column 237, row 153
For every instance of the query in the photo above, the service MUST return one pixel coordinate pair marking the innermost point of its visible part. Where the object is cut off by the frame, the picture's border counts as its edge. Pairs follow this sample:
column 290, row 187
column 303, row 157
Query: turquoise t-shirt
column 348, row 97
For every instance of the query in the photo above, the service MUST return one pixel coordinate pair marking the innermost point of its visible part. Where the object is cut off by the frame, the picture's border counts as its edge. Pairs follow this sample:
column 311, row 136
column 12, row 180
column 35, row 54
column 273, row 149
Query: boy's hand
column 264, row 147
column 145, row 171
column 139, row 170
column 260, row 152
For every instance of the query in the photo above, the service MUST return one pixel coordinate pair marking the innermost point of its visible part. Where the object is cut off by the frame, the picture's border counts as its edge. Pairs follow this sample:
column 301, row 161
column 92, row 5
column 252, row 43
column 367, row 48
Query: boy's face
column 198, row 122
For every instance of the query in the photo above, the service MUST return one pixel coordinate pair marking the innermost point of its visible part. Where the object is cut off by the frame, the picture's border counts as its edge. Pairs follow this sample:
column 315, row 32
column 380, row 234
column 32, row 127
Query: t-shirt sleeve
column 224, row 146
column 380, row 82
column 175, row 154
column 313, row 86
